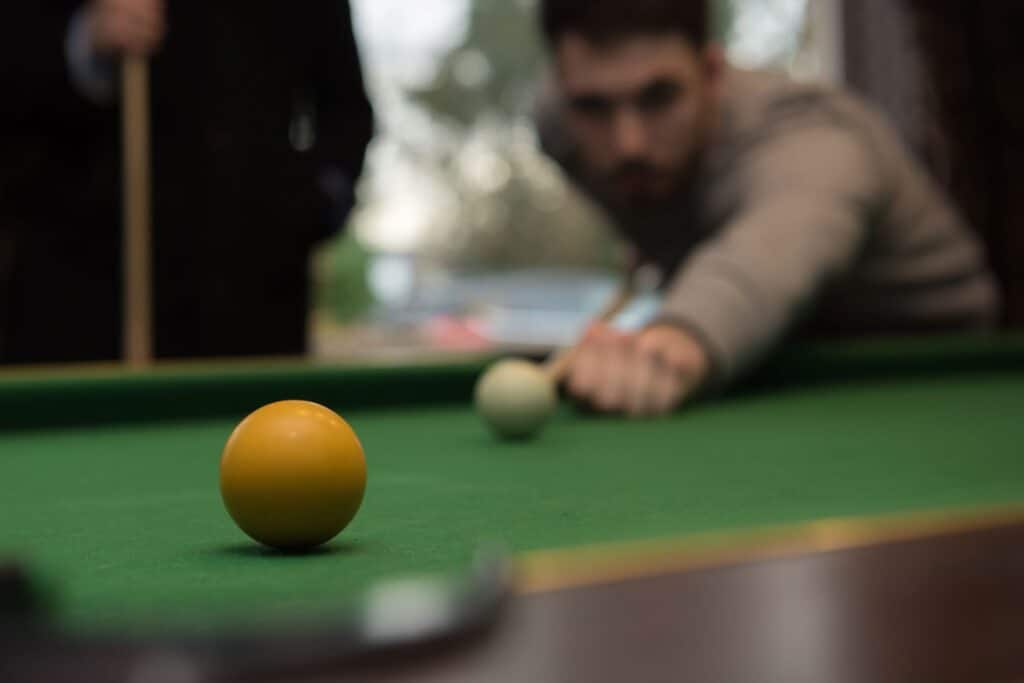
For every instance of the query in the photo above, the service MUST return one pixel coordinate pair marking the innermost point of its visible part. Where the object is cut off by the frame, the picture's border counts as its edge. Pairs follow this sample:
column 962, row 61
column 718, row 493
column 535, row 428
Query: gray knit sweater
column 805, row 211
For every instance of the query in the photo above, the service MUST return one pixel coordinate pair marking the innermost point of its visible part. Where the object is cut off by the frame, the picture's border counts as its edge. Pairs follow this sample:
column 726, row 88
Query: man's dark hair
column 609, row 20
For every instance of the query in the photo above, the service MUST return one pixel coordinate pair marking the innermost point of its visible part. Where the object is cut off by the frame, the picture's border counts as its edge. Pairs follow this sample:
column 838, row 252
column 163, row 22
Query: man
column 772, row 207
column 259, row 126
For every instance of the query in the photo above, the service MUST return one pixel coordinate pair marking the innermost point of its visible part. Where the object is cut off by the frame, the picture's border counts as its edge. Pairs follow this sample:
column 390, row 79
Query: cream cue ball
column 515, row 398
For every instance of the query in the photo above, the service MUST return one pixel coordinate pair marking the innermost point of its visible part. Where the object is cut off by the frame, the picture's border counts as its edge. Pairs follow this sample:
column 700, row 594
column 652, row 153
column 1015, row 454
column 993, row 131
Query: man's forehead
column 622, row 65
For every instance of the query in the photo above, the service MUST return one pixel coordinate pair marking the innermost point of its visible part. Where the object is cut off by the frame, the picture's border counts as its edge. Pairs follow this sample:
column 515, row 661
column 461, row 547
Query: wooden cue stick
column 558, row 364
column 137, row 304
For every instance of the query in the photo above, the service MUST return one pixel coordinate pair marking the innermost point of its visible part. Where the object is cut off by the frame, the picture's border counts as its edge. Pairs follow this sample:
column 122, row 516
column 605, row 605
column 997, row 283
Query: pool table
column 883, row 475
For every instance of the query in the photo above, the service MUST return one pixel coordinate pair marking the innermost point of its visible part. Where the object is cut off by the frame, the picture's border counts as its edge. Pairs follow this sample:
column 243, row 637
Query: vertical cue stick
column 137, row 305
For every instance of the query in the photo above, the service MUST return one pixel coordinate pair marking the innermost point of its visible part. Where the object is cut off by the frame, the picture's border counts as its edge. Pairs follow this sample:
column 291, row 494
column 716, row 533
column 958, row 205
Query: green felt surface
column 125, row 517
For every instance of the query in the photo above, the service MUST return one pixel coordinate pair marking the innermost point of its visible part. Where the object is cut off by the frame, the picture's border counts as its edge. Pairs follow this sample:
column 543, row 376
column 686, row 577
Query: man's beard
column 637, row 184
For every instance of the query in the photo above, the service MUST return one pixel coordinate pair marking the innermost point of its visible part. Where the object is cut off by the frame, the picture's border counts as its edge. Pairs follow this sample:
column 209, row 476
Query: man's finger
column 138, row 44
column 667, row 392
column 150, row 22
column 673, row 379
column 120, row 34
column 145, row 8
column 147, row 29
column 584, row 372
column 133, row 26
column 641, row 380
column 613, row 357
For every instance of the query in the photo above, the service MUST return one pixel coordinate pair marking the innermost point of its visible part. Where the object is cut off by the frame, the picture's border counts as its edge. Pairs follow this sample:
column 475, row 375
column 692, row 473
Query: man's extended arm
column 804, row 218
column 809, row 196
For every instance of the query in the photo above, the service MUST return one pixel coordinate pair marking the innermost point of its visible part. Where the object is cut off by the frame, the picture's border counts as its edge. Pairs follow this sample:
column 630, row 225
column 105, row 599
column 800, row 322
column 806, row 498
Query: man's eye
column 592, row 107
column 658, row 96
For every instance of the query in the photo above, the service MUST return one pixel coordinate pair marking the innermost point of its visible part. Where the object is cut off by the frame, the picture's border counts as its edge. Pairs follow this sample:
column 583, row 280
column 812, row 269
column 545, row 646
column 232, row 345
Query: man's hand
column 134, row 27
column 644, row 373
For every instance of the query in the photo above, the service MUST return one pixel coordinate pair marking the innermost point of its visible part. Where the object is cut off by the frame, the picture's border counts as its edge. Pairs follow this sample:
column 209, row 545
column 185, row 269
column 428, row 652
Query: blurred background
column 464, row 235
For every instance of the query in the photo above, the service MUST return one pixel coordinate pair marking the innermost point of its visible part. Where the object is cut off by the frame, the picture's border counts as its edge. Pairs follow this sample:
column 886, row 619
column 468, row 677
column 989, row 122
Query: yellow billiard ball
column 292, row 475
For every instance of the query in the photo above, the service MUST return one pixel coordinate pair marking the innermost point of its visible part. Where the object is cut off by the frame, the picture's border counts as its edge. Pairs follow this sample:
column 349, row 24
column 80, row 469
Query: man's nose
column 630, row 134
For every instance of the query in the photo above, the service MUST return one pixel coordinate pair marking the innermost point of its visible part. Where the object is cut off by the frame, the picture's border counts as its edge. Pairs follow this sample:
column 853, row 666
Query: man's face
column 640, row 109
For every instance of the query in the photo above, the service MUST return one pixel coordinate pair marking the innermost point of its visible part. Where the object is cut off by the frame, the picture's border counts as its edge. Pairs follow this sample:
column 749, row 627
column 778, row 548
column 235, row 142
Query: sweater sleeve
column 808, row 195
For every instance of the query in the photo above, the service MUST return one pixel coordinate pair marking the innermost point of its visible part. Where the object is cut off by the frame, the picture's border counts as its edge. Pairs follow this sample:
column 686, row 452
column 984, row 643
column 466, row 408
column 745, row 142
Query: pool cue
column 136, row 241
column 558, row 364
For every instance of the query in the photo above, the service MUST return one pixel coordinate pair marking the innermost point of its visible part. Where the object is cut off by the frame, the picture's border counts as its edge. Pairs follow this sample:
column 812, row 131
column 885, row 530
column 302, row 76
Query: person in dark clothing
column 260, row 123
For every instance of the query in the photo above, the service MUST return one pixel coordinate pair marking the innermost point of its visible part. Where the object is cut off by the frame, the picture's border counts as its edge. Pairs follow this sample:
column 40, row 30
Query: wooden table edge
column 578, row 567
